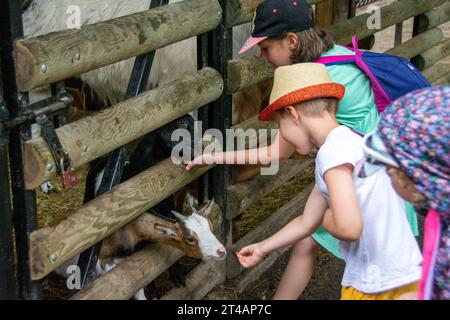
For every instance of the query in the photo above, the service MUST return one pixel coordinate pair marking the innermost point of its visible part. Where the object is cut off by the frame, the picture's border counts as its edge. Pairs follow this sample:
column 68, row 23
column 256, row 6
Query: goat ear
column 192, row 202
column 166, row 230
column 205, row 211
column 179, row 216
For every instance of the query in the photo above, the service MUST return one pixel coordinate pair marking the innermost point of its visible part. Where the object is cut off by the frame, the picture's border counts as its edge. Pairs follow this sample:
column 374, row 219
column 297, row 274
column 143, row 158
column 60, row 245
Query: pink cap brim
column 250, row 43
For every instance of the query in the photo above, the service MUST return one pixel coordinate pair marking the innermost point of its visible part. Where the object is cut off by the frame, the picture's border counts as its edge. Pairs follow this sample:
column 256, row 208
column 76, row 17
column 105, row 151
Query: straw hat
column 299, row 83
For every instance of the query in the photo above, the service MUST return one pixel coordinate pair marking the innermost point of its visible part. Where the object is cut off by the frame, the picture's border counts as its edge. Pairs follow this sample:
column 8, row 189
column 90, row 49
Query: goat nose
column 221, row 252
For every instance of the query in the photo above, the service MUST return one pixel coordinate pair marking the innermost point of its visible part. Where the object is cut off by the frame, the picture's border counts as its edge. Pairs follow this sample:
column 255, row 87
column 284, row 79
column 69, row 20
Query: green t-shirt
column 357, row 109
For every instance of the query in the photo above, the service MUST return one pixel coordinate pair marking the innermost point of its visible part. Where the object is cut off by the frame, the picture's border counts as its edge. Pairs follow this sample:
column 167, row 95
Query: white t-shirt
column 387, row 255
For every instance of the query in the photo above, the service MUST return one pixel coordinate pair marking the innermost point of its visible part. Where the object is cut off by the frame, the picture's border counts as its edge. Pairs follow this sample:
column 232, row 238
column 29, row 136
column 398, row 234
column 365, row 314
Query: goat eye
column 191, row 240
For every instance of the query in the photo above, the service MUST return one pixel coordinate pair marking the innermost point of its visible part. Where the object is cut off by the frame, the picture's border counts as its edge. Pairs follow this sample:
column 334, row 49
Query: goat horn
column 207, row 210
column 179, row 216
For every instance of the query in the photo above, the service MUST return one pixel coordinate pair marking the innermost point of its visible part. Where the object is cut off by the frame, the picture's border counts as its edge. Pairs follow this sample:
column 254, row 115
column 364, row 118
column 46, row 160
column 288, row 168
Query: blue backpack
column 390, row 76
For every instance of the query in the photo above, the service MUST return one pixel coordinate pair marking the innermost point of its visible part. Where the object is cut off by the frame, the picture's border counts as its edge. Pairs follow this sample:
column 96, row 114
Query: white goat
column 110, row 82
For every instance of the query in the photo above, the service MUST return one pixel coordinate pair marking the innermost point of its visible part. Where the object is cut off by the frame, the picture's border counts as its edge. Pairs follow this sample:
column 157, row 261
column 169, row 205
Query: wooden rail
column 60, row 55
column 96, row 135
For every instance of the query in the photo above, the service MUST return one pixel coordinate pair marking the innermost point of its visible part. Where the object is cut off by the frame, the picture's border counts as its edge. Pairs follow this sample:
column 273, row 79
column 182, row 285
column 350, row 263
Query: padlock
column 68, row 173
column 69, row 179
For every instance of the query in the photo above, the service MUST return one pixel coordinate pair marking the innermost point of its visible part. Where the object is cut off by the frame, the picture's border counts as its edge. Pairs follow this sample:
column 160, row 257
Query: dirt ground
column 328, row 272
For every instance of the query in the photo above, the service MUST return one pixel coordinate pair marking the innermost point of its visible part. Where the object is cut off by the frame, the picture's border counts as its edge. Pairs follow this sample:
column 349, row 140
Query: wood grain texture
column 107, row 42
column 434, row 17
column 418, row 44
column 51, row 246
column 242, row 195
column 247, row 71
column 242, row 11
column 324, row 14
column 132, row 274
column 444, row 81
column 438, row 70
column 270, row 226
column 429, row 57
column 391, row 15
column 96, row 135
column 199, row 282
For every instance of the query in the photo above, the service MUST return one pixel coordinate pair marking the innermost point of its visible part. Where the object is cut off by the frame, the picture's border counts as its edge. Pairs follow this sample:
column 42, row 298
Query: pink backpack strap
column 336, row 59
column 332, row 60
column 355, row 43
column 432, row 236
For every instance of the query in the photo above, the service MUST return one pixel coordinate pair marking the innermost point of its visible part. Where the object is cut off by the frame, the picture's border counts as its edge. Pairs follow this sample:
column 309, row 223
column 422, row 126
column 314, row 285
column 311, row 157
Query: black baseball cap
column 276, row 17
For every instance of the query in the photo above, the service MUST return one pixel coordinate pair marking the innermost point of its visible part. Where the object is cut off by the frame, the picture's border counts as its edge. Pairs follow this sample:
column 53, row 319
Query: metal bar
column 398, row 33
column 416, row 31
column 116, row 160
column 7, row 261
column 220, row 51
column 55, row 105
column 24, row 202
column 202, row 61
column 352, row 9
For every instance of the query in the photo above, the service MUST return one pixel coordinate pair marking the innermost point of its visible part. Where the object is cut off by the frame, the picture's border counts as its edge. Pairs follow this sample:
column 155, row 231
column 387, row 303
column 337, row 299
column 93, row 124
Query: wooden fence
column 57, row 56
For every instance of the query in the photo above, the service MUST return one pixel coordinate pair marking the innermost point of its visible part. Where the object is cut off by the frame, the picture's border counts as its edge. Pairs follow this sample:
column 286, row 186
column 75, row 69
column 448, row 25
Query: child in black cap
column 286, row 34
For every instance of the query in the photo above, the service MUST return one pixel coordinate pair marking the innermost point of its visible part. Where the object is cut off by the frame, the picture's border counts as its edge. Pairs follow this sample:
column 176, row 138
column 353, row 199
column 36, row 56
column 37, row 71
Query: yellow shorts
column 350, row 293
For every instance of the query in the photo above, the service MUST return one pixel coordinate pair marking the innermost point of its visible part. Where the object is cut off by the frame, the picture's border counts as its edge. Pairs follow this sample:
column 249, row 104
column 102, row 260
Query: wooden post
column 329, row 12
column 93, row 136
column 341, row 10
column 196, row 286
column 444, row 81
column 242, row 11
column 431, row 56
column 220, row 114
column 325, row 14
column 247, row 71
column 132, row 274
column 61, row 55
column 433, row 18
column 438, row 70
column 418, row 44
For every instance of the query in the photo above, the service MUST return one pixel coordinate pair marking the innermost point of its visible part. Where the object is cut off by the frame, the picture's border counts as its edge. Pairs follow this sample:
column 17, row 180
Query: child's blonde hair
column 316, row 107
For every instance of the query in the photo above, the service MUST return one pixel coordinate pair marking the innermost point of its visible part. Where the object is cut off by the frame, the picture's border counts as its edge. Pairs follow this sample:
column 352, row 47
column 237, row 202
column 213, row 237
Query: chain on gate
column 362, row 3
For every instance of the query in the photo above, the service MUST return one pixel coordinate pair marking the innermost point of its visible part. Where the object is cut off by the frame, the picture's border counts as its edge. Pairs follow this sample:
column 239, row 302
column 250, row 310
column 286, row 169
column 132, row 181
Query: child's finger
column 246, row 251
column 243, row 261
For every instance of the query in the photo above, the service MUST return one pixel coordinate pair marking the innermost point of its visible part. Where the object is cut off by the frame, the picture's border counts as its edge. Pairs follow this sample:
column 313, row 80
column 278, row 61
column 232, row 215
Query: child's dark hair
column 312, row 43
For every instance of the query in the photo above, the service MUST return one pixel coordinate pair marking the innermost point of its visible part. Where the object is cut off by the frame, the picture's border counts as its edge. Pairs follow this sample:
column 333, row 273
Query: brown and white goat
column 191, row 234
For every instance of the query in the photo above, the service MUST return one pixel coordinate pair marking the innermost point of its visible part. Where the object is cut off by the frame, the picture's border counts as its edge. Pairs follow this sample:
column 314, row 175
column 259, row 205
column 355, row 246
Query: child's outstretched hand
column 200, row 161
column 250, row 256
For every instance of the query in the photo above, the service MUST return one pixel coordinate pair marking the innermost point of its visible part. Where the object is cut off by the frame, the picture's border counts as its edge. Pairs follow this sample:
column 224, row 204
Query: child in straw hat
column 286, row 33
column 382, row 257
